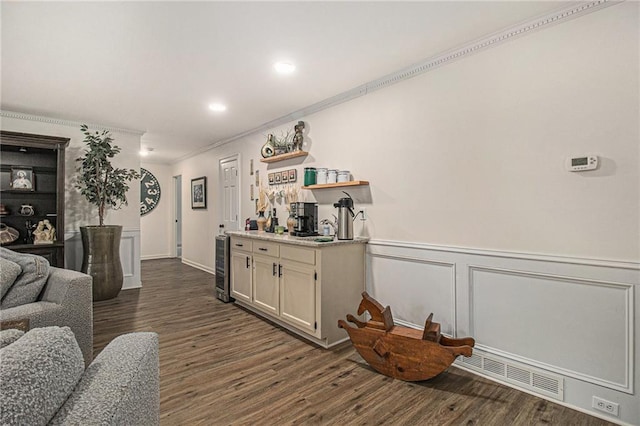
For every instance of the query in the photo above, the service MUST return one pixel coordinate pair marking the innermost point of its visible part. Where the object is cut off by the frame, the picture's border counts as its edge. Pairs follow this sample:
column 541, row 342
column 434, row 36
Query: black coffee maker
column 306, row 215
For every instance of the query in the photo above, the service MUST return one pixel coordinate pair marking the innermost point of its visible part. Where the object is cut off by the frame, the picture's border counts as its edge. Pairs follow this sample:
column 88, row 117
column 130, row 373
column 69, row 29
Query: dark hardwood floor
column 220, row 364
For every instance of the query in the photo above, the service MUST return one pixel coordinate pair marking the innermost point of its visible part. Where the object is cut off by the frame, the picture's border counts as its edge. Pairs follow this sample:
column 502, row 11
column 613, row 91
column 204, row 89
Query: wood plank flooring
column 222, row 365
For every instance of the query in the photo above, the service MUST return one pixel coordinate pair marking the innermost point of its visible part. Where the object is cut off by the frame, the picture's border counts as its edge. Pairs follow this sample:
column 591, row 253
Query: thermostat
column 580, row 164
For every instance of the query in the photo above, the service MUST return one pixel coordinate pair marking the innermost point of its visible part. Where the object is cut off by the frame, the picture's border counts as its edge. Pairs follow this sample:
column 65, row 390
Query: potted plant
column 106, row 188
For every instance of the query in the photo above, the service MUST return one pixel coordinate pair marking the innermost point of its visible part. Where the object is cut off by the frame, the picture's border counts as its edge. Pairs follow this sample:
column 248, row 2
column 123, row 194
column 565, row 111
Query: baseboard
column 156, row 256
column 198, row 266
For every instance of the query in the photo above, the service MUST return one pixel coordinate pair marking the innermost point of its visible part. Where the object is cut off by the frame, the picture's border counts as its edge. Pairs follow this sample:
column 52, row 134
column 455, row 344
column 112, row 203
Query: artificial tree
column 102, row 185
column 105, row 187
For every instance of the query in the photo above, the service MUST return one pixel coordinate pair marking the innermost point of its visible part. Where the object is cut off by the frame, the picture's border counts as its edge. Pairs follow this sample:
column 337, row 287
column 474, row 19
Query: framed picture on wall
column 276, row 178
column 292, row 175
column 271, row 178
column 199, row 193
column 22, row 179
column 284, row 176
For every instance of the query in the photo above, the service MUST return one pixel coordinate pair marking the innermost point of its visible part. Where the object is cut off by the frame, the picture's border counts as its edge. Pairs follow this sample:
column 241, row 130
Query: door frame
column 176, row 213
column 220, row 197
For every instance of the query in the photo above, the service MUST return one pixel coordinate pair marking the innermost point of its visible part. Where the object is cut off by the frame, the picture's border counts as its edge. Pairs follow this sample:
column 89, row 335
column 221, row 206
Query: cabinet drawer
column 242, row 244
column 298, row 254
column 263, row 247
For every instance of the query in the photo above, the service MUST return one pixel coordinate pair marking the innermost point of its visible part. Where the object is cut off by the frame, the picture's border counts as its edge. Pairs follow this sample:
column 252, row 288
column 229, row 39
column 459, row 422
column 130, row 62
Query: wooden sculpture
column 401, row 352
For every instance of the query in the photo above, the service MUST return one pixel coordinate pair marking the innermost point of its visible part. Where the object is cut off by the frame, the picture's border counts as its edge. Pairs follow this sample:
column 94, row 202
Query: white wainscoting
column 568, row 316
column 129, row 255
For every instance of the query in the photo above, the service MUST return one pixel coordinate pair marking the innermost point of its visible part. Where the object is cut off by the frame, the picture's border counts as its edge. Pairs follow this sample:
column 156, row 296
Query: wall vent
column 516, row 373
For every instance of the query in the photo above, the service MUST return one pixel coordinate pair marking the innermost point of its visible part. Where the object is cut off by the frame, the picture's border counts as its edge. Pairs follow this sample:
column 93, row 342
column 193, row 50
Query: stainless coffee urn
column 345, row 217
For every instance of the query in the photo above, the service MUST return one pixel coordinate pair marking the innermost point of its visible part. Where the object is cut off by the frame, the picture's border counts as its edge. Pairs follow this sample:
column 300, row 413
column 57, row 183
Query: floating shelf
column 286, row 156
column 338, row 185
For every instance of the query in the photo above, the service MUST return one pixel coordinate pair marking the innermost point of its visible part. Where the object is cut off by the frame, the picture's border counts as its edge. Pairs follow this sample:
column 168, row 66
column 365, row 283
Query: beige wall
column 472, row 154
column 156, row 227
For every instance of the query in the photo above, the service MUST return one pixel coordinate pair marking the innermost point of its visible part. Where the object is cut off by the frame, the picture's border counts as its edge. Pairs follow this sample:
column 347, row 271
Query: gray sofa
column 49, row 296
column 44, row 380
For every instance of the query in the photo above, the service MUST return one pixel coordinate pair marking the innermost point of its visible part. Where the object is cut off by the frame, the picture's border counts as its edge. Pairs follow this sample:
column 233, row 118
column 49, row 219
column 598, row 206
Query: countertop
column 288, row 239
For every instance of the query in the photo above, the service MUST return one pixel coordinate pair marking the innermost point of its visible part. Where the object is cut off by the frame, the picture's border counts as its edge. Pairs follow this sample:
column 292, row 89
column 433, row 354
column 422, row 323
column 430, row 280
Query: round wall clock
column 149, row 191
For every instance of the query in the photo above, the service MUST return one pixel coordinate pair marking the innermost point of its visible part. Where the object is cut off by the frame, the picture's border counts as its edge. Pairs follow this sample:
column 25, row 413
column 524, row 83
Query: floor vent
column 516, row 373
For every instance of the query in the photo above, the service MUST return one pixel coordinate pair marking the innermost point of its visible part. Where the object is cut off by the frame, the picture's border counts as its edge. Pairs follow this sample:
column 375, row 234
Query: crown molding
column 69, row 123
column 544, row 21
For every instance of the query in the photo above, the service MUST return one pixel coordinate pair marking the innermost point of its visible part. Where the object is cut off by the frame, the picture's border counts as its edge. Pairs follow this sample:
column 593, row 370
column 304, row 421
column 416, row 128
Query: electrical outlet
column 605, row 406
column 364, row 214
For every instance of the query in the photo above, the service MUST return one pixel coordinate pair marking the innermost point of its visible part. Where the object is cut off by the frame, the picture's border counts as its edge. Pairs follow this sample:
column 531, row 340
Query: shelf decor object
column 401, row 352
column 337, row 185
column 22, row 178
column 23, row 158
column 285, row 156
column 105, row 187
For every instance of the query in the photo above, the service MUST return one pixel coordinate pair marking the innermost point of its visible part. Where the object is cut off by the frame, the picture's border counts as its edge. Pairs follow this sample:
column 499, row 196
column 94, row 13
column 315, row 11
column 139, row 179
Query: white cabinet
column 241, row 287
column 306, row 289
column 298, row 295
column 265, row 283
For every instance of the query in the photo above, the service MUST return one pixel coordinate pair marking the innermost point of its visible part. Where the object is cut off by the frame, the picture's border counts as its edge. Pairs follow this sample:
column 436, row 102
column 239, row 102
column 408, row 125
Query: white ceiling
column 155, row 66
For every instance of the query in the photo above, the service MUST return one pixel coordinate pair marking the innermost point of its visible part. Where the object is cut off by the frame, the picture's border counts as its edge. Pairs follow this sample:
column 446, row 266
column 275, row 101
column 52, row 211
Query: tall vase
column 261, row 221
column 101, row 259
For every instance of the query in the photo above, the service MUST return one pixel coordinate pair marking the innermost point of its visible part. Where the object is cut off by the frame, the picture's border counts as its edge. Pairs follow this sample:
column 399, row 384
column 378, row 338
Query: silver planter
column 101, row 259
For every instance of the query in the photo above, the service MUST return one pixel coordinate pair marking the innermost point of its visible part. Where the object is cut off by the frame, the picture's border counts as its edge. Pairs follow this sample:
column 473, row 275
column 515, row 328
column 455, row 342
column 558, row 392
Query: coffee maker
column 306, row 216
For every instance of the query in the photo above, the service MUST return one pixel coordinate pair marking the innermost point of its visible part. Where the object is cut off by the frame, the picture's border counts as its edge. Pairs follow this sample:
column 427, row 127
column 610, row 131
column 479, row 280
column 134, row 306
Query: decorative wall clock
column 149, row 191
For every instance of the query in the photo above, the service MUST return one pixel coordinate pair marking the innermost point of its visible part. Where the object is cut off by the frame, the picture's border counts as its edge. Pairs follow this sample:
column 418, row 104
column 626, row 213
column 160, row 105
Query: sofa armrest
column 120, row 387
column 66, row 300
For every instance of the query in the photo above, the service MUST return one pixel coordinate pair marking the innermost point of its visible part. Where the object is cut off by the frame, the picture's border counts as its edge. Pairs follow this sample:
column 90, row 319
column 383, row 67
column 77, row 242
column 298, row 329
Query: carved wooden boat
column 401, row 352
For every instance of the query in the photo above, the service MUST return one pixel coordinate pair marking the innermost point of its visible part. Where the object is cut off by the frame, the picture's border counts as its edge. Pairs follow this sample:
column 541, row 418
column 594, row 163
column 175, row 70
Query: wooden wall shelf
column 338, row 185
column 286, row 156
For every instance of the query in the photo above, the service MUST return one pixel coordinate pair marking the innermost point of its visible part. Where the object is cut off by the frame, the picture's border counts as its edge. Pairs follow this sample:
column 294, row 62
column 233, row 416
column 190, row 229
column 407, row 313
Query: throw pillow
column 9, row 271
column 38, row 372
column 29, row 284
column 9, row 336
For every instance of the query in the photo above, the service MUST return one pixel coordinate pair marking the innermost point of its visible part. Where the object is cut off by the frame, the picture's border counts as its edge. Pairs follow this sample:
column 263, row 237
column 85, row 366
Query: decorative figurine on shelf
column 269, row 148
column 29, row 226
column 27, row 210
column 45, row 233
column 298, row 137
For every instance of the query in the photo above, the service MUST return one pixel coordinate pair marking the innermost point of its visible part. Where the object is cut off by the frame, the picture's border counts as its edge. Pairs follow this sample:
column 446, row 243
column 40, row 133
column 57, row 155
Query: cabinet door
column 298, row 295
column 241, row 276
column 265, row 284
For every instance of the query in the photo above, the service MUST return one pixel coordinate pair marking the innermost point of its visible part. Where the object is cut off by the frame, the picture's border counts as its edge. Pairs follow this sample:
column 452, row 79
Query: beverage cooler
column 223, row 270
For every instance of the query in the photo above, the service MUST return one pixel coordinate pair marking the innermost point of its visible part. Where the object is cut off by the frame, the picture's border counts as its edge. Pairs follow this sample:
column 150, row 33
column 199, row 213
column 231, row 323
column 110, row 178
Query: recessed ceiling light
column 284, row 67
column 216, row 107
column 145, row 151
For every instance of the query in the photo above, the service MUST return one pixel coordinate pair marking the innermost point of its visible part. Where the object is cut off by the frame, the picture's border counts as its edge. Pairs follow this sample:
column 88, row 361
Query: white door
column 230, row 189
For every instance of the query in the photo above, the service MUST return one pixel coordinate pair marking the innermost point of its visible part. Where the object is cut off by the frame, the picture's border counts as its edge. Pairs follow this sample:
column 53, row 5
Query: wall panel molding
column 585, row 308
column 592, row 320
column 129, row 255
column 452, row 285
column 618, row 264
